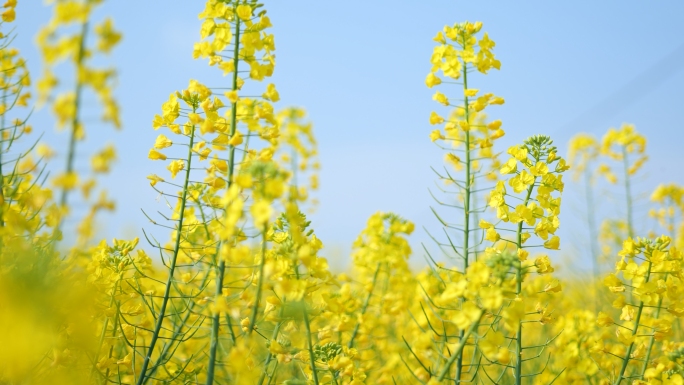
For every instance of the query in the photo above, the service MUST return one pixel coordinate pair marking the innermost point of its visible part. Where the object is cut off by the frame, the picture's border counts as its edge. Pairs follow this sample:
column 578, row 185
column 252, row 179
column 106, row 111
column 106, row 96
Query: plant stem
column 466, row 201
column 625, row 361
column 365, row 306
column 274, row 337
column 220, row 270
column 459, row 348
column 103, row 332
column 75, row 121
column 260, row 284
column 176, row 249
column 628, row 193
column 2, row 175
column 518, row 291
column 591, row 219
column 312, row 360
column 651, row 342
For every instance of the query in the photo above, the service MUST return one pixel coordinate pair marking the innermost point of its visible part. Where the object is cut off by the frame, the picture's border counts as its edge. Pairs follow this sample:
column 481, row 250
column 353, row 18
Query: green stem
column 2, row 175
column 260, row 284
column 111, row 348
column 75, row 122
column 220, row 270
column 651, row 342
column 468, row 176
column 213, row 347
column 365, row 306
column 103, row 332
column 274, row 337
column 177, row 331
column 628, row 192
column 518, row 290
column 625, row 361
column 459, row 348
column 273, row 373
column 591, row 219
column 176, row 249
column 466, row 201
column 332, row 374
column 312, row 360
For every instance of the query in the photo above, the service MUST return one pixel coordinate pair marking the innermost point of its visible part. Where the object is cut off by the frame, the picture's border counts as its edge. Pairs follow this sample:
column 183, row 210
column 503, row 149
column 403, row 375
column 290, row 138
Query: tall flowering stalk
column 650, row 270
column 56, row 44
column 584, row 149
column 535, row 212
column 621, row 145
column 381, row 292
column 234, row 38
column 192, row 97
column 468, row 141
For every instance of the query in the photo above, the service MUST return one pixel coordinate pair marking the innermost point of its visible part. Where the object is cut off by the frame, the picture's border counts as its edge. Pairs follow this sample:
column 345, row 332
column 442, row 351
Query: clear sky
column 358, row 68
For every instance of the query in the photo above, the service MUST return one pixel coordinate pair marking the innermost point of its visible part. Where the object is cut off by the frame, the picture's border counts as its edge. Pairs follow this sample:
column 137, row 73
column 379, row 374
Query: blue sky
column 358, row 67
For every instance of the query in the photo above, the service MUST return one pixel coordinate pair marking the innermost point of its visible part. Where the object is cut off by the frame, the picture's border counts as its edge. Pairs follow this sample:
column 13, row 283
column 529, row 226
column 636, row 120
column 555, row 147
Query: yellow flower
column 624, row 337
column 435, row 119
column 431, row 80
column 261, row 212
column 66, row 181
column 627, row 313
column 495, row 125
column 194, row 118
column 175, row 166
column 156, row 155
column 244, row 12
column 162, row 142
column 108, row 37
column 435, row 134
column 521, row 181
column 519, row 153
column 271, row 93
column 440, row 98
column 171, row 109
column 543, row 265
column 44, row 151
column 540, row 169
column 562, row 166
column 470, row 92
column 491, row 297
column 484, row 224
column 498, row 134
column 207, row 29
column 439, row 38
column 491, row 235
column 232, row 96
column 236, row 140
column 244, row 324
column 102, row 160
column 553, row 243
column 469, row 313
column 154, row 179
column 227, row 67
column 454, row 160
column 509, row 167
column 8, row 15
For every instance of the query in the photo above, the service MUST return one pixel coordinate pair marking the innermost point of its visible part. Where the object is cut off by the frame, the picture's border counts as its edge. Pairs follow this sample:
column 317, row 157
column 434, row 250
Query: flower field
column 231, row 284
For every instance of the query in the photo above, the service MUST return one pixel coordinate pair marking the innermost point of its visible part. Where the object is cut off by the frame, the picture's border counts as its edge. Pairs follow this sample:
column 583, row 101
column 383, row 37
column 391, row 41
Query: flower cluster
column 648, row 297
column 21, row 197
